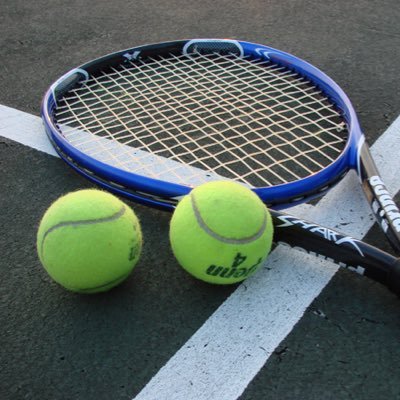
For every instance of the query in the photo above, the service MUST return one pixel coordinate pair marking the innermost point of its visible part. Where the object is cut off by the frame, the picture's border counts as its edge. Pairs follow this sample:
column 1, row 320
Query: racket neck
column 382, row 203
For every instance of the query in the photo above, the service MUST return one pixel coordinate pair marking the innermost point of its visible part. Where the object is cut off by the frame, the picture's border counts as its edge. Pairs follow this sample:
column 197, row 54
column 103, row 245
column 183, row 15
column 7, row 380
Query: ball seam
column 63, row 224
column 219, row 237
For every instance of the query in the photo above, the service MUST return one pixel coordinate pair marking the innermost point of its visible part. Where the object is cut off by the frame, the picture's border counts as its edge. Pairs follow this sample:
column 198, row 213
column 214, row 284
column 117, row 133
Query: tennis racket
column 154, row 121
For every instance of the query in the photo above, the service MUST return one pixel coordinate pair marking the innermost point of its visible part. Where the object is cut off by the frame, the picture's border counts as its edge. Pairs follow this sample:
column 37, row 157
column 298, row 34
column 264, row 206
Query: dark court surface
column 57, row 345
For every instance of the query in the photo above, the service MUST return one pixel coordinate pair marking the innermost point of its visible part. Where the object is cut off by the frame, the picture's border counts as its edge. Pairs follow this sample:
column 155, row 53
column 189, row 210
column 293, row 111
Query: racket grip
column 394, row 278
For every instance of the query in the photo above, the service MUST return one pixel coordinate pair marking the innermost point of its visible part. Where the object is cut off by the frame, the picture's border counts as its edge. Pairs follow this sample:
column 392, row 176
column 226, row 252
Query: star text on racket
column 326, row 233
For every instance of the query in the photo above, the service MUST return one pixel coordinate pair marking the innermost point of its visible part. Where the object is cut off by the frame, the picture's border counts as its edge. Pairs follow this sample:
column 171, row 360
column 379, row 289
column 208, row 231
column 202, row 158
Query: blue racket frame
column 162, row 194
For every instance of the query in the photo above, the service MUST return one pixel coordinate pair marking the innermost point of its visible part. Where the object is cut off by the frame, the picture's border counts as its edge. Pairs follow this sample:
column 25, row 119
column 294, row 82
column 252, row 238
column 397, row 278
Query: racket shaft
column 382, row 204
column 344, row 250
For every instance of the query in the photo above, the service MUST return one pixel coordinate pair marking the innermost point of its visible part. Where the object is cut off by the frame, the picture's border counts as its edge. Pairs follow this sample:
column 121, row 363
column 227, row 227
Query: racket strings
column 238, row 118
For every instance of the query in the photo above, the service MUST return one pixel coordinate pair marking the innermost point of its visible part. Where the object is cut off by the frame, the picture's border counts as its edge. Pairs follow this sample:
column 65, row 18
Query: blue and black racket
column 154, row 121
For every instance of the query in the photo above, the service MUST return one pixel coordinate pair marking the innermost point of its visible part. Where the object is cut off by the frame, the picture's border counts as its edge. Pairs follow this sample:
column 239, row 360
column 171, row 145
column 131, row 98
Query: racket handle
column 394, row 278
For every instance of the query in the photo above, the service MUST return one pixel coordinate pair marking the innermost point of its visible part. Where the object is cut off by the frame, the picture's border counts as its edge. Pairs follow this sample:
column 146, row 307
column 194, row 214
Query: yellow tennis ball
column 221, row 232
column 89, row 241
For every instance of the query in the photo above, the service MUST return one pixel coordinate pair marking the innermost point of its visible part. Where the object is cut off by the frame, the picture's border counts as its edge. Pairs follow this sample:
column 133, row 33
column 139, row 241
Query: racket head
column 161, row 191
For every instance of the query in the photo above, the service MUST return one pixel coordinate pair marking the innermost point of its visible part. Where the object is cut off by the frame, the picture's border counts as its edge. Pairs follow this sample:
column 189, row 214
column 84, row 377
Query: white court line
column 24, row 128
column 224, row 355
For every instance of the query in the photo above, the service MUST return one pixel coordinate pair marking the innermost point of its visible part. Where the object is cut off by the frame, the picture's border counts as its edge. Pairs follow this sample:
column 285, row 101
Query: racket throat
column 382, row 204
